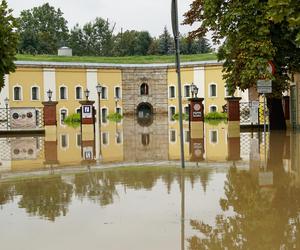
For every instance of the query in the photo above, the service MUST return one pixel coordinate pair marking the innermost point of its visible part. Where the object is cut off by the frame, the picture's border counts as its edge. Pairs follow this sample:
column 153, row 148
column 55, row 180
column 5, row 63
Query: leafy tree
column 166, row 44
column 154, row 47
column 254, row 34
column 43, row 30
column 126, row 43
column 144, row 41
column 189, row 45
column 76, row 41
column 8, row 41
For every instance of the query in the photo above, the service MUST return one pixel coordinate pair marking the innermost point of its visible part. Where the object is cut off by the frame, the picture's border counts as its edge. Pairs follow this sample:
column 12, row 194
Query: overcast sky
column 149, row 15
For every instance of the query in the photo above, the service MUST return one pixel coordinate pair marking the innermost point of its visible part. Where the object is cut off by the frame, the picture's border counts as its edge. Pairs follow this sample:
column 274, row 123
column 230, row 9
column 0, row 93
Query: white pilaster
column 199, row 81
column 49, row 83
column 4, row 93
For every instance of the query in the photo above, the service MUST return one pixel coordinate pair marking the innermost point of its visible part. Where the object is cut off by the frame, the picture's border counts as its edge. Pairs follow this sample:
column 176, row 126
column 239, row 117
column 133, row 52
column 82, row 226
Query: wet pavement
column 236, row 192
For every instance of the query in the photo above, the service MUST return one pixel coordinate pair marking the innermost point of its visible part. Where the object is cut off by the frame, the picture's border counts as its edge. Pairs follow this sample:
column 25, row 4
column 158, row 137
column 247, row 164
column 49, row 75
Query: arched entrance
column 145, row 114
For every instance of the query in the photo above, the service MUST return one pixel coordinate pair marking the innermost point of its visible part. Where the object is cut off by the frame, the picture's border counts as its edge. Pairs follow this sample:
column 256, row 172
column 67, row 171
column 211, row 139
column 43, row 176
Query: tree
column 144, row 41
column 253, row 36
column 8, row 41
column 43, row 30
column 166, row 44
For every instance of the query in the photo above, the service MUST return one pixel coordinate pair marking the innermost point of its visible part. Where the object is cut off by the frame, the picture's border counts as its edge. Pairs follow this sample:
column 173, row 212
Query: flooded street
column 235, row 193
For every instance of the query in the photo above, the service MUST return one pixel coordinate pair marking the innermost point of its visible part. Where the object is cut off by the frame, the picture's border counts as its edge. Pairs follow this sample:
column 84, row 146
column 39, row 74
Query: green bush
column 73, row 120
column 115, row 117
column 185, row 116
column 215, row 116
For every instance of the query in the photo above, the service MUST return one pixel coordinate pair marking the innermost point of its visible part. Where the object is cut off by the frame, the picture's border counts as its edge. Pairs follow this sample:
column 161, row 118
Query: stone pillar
column 233, row 113
column 286, row 110
column 87, row 120
column 234, row 148
column 88, row 152
column 196, row 125
column 50, row 153
column 50, row 122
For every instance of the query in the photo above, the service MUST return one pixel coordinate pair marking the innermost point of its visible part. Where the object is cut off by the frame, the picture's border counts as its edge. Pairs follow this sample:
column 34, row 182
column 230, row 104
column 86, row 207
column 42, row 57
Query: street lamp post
column 6, row 101
column 87, row 94
column 49, row 94
column 99, row 90
column 194, row 90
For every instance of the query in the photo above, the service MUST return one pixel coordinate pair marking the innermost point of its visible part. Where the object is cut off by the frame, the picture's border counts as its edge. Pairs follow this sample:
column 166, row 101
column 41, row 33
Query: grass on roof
column 118, row 60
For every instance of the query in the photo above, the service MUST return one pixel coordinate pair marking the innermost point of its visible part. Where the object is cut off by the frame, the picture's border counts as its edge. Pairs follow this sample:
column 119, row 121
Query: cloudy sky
column 150, row 15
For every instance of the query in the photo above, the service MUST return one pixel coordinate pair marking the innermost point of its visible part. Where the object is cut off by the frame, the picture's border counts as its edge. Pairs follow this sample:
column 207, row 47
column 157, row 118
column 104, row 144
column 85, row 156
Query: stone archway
column 145, row 114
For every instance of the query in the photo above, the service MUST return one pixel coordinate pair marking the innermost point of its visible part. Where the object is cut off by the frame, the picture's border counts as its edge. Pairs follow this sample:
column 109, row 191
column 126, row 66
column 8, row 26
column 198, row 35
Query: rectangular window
column 213, row 136
column 172, row 135
column 104, row 93
column 63, row 93
column 64, row 141
column 172, row 113
column 104, row 115
column 104, row 138
column 118, row 92
column 171, row 92
column 187, row 136
column 17, row 93
column 63, row 115
column 35, row 93
column 187, row 90
column 213, row 90
column 118, row 137
column 78, row 93
column 78, row 140
column 119, row 111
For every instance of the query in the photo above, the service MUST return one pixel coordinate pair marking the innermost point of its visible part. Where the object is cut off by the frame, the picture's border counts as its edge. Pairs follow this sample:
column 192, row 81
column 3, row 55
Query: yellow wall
column 26, row 78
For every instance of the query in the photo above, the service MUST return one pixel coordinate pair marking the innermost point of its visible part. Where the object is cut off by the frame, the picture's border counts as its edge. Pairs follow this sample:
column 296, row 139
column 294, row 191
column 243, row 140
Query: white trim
column 59, row 94
column 213, row 105
column 187, row 85
column 49, row 76
column 107, row 121
column 106, row 87
column 63, row 108
column 210, row 136
column 169, row 92
column 75, row 88
column 38, row 94
column 102, row 133
column 209, row 90
column 170, row 141
column 185, row 136
column 115, row 87
column 4, row 93
column 199, row 81
column 169, row 113
column 78, row 108
column 78, row 134
column 21, row 92
column 121, row 136
column 67, row 140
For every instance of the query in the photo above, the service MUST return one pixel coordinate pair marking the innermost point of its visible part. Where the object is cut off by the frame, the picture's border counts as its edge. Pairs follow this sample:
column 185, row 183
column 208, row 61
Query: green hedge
column 73, row 120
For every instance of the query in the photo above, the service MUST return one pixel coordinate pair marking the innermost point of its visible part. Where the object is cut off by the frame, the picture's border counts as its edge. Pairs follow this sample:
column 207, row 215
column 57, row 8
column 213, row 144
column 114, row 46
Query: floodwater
column 240, row 192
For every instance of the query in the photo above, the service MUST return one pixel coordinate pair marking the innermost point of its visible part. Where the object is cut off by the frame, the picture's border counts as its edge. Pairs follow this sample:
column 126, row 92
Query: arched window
column 118, row 92
column 172, row 111
column 172, row 92
column 63, row 115
column 144, row 89
column 145, row 139
column 63, row 93
column 104, row 115
column 78, row 91
column 17, row 93
column 35, row 93
column 213, row 108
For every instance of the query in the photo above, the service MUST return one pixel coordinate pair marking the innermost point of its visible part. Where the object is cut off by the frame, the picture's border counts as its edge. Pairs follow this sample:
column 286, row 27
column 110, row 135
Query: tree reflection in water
column 265, row 218
column 49, row 197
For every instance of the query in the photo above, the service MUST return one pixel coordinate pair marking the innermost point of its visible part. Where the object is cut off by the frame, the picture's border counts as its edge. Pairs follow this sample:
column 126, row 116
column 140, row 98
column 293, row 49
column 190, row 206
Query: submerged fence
column 252, row 113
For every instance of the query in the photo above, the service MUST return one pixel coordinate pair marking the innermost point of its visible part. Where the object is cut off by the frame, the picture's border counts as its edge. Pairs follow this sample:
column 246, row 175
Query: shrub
column 115, row 117
column 73, row 120
column 185, row 116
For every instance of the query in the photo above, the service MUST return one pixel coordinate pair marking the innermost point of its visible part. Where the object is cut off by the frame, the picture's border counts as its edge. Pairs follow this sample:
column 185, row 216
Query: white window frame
column 210, row 136
column 189, row 93
column 78, row 86
column 169, row 113
column 102, row 133
column 115, row 92
column 172, row 130
column 21, row 92
column 213, row 105
column 169, row 92
column 186, row 139
column 106, row 88
column 59, row 94
column 60, row 120
column 38, row 93
column 121, row 136
column 107, row 121
column 67, row 140
column 210, row 90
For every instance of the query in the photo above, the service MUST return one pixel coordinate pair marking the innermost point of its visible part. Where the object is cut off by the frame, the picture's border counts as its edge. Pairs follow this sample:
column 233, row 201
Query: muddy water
column 236, row 193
